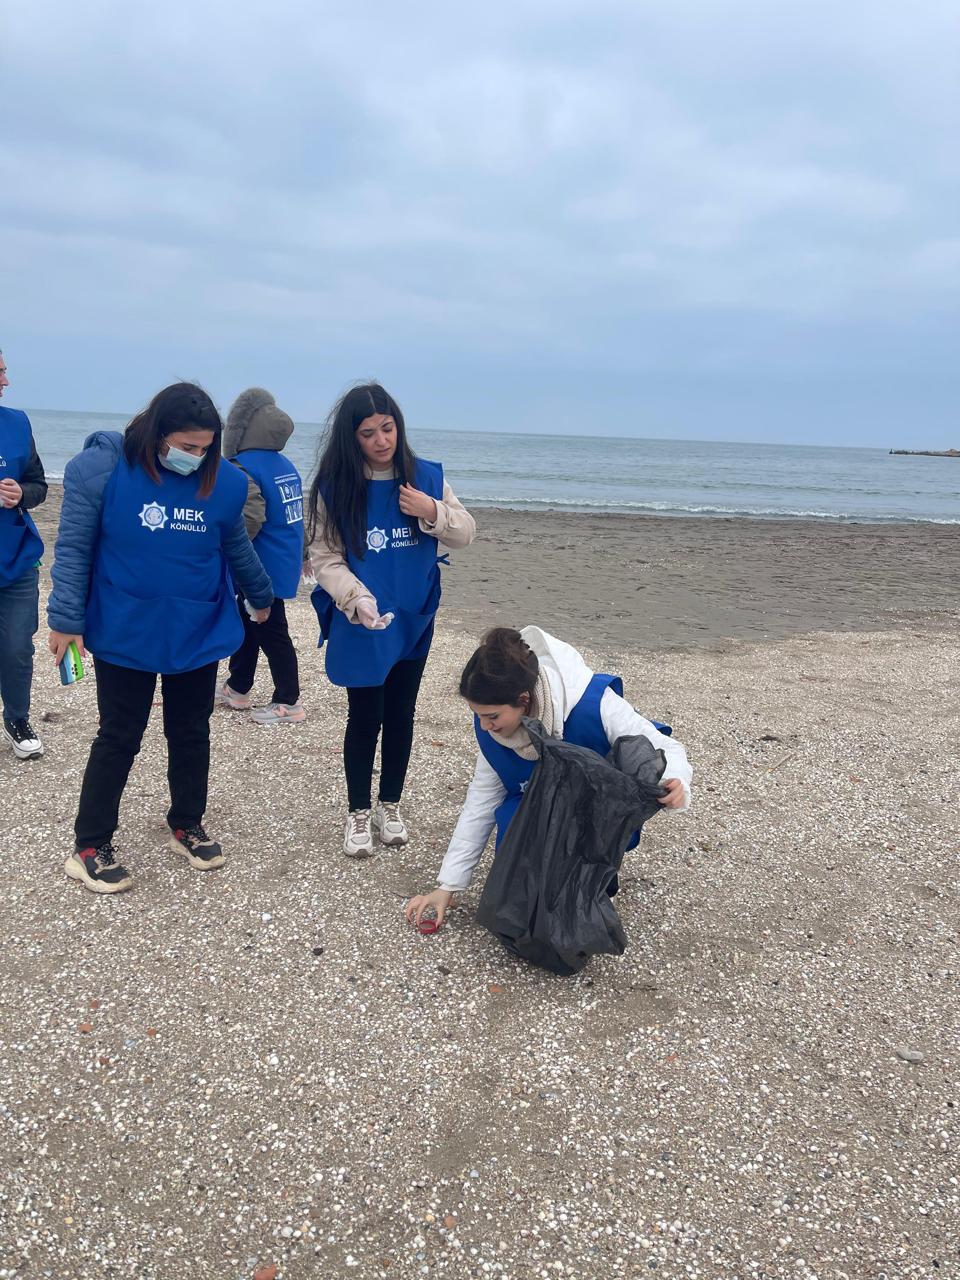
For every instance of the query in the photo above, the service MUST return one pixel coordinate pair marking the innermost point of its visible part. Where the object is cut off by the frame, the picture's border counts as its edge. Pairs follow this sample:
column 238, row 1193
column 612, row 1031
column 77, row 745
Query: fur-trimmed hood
column 255, row 422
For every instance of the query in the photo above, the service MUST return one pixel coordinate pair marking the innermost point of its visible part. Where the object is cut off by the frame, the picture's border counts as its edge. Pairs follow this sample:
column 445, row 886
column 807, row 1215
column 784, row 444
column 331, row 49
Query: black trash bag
column 547, row 895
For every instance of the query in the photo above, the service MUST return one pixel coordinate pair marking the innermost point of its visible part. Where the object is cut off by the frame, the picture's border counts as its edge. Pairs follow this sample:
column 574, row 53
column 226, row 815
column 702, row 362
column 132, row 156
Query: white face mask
column 183, row 463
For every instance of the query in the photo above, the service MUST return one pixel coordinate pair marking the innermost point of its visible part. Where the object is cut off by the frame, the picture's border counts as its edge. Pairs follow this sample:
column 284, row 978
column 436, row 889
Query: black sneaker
column 98, row 869
column 23, row 738
column 196, row 846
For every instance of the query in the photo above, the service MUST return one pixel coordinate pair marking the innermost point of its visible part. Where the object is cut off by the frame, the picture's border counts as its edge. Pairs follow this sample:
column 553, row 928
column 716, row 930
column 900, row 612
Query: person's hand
column 58, row 642
column 415, row 503
column 261, row 615
column 368, row 615
column 437, row 902
column 10, row 493
column 674, row 797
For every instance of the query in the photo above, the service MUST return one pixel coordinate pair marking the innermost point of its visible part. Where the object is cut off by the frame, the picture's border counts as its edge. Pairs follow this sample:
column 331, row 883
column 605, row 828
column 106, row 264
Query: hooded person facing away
column 254, row 437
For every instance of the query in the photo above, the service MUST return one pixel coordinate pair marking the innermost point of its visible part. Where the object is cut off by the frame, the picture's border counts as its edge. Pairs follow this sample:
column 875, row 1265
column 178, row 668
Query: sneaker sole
column 358, row 854
column 231, row 706
column 266, row 724
column 391, row 842
column 198, row 864
column 77, row 871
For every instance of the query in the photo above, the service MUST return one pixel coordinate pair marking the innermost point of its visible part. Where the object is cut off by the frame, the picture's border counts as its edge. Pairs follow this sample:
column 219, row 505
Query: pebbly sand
column 265, row 1067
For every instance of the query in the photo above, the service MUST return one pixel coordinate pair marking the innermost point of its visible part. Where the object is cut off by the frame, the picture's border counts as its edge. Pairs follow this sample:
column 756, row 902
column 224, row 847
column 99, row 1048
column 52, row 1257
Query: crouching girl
column 519, row 674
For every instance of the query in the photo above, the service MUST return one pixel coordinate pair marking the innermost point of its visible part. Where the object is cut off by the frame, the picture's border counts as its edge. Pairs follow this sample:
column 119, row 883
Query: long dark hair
column 340, row 480
column 181, row 407
column 501, row 671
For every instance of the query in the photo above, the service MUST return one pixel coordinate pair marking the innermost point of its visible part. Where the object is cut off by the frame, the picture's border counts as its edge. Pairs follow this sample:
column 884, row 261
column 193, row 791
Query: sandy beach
column 265, row 1066
column 661, row 582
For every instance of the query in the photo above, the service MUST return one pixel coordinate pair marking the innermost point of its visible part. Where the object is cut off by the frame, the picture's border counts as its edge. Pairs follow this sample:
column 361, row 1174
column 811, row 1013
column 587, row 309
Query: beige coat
column 455, row 527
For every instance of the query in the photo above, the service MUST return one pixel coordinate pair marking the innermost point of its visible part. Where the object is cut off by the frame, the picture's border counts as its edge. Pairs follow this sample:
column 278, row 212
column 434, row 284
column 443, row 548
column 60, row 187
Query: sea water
column 605, row 474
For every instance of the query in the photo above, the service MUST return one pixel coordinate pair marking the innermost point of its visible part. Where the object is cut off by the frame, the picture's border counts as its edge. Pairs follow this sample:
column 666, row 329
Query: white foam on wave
column 585, row 505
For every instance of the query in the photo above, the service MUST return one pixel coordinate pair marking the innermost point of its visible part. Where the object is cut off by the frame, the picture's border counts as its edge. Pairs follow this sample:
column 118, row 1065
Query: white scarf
column 541, row 708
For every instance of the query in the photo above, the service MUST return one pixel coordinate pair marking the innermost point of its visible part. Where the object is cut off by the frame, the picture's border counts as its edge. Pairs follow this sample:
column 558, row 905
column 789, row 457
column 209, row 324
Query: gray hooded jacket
column 255, row 421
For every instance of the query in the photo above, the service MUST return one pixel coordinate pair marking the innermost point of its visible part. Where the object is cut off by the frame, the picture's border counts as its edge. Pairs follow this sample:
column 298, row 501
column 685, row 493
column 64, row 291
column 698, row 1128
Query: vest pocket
column 417, row 617
column 20, row 546
column 166, row 634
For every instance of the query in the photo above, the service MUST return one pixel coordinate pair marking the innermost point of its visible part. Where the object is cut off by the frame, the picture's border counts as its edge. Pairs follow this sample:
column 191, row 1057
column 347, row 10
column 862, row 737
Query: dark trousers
column 273, row 637
column 18, row 624
column 391, row 706
column 124, row 699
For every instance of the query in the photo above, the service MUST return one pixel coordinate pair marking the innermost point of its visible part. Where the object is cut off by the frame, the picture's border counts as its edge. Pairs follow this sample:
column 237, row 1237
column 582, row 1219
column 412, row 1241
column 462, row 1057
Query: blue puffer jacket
column 84, row 483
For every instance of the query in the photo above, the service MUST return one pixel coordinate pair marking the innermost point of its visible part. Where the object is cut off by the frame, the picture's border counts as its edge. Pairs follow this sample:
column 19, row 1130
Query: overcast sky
column 694, row 219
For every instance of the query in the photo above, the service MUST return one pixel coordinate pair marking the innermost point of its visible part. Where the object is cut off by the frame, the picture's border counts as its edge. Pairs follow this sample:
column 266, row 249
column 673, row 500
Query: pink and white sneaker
column 279, row 713
column 227, row 697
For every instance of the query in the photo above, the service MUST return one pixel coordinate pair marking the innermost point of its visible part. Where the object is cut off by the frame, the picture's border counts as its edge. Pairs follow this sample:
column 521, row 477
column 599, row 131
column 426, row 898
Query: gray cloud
column 695, row 219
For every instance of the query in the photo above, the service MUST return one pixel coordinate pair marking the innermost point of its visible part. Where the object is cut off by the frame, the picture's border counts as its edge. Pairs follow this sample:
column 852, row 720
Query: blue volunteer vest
column 279, row 544
column 400, row 569
column 161, row 597
column 583, row 727
column 20, row 544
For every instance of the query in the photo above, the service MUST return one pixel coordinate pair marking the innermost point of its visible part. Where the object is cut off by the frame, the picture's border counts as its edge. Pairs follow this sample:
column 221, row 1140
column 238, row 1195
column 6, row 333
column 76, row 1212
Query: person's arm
column 454, row 526
column 74, row 552
column 245, row 567
column 255, row 507
column 476, row 821
column 33, row 482
column 469, row 839
column 620, row 720
column 334, row 574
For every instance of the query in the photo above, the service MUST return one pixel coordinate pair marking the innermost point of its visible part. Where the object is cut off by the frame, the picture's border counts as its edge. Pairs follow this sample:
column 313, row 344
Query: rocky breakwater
column 928, row 453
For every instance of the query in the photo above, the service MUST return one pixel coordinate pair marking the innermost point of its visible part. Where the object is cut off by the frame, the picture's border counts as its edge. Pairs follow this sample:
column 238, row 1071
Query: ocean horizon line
column 532, row 433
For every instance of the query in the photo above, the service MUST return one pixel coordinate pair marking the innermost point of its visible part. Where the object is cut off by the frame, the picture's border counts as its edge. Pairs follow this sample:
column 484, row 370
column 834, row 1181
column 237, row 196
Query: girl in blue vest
column 528, row 673
column 151, row 542
column 376, row 516
column 256, row 431
column 23, row 485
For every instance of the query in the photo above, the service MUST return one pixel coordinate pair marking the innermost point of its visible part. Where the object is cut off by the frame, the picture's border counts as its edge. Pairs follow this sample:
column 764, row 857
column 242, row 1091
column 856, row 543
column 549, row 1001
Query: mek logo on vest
column 185, row 519
column 380, row 540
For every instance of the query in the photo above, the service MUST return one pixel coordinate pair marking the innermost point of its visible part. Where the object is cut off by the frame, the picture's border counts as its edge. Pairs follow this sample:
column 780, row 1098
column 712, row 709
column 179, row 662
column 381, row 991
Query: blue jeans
column 19, row 619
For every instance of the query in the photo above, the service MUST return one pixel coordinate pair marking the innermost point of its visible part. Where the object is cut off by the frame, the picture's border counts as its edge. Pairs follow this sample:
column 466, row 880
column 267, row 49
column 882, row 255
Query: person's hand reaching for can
column 421, row 908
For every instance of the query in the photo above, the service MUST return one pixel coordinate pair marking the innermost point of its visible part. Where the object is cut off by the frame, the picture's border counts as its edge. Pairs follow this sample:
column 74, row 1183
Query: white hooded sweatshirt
column 567, row 676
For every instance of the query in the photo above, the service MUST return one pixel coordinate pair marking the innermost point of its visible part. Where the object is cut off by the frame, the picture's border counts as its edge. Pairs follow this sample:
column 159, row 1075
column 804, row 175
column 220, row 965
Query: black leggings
column 392, row 706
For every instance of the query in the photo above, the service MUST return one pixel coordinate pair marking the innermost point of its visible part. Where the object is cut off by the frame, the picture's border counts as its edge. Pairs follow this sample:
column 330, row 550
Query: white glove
column 369, row 616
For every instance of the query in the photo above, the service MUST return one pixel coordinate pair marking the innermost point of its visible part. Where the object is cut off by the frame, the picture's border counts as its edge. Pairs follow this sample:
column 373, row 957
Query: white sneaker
column 227, row 697
column 357, row 840
column 23, row 738
column 387, row 821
